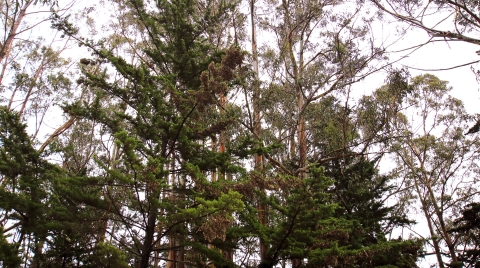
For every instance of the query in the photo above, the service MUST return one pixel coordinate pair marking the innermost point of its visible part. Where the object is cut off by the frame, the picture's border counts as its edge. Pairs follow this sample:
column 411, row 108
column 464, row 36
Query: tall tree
column 159, row 169
column 341, row 201
column 463, row 26
column 436, row 159
column 307, row 62
column 167, row 94
column 44, row 229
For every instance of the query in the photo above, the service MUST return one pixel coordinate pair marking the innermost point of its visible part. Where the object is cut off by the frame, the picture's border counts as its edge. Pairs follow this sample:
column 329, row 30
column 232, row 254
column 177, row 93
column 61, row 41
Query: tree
column 465, row 229
column 306, row 62
column 361, row 193
column 435, row 158
column 9, row 254
column 335, row 213
column 45, row 206
column 464, row 26
column 33, row 75
column 161, row 131
column 308, row 222
column 156, row 165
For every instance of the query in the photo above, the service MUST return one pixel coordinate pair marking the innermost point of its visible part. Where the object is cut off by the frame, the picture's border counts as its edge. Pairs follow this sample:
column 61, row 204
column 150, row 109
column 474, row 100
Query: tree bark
column 5, row 49
column 149, row 234
column 257, row 124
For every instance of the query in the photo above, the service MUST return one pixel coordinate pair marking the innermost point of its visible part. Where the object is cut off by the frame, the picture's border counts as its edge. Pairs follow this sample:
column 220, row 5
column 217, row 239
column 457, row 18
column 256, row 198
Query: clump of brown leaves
column 215, row 80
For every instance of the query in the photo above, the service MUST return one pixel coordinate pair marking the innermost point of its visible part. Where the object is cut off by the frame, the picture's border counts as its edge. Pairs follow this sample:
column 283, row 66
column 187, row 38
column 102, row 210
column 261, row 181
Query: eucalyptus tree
column 444, row 20
column 34, row 77
column 436, row 163
column 32, row 68
column 154, row 160
column 454, row 20
column 338, row 211
column 306, row 50
column 14, row 14
column 318, row 49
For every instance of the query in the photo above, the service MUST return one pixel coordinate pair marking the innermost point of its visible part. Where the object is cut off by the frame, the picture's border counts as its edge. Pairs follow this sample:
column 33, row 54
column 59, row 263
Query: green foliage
column 9, row 255
column 360, row 191
column 157, row 165
column 25, row 175
column 466, row 228
column 331, row 219
column 107, row 255
column 429, row 144
column 44, row 202
column 169, row 99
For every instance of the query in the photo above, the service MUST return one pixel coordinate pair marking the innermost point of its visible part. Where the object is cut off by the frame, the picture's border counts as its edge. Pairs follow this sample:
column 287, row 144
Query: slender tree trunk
column 439, row 213
column 5, row 49
column 154, row 197
column 113, row 159
column 223, row 102
column 32, row 85
column 297, row 67
column 171, row 254
column 214, row 178
column 221, row 148
column 257, row 124
column 149, row 232
column 436, row 246
column 302, row 136
column 171, row 260
column 437, row 210
column 4, row 69
column 181, row 258
column 423, row 202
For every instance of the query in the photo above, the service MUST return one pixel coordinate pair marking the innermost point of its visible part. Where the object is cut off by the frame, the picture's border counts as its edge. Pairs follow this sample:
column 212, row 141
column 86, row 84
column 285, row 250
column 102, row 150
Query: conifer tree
column 167, row 97
column 466, row 229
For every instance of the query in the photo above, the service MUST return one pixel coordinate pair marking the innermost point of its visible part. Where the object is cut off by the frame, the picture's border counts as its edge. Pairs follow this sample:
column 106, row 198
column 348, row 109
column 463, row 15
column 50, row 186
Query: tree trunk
column 438, row 212
column 171, row 259
column 149, row 234
column 5, row 49
column 436, row 246
column 257, row 124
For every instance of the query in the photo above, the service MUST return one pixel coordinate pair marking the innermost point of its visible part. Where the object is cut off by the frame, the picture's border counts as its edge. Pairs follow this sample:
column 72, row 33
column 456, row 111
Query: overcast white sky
column 437, row 55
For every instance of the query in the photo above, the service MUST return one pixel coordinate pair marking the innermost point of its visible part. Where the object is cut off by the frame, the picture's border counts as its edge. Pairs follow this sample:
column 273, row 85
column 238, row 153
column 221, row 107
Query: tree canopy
column 192, row 133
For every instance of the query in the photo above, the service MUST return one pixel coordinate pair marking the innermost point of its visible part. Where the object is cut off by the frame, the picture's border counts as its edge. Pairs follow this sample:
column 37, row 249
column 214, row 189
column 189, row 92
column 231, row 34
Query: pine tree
column 167, row 97
column 360, row 191
column 43, row 204
column 466, row 229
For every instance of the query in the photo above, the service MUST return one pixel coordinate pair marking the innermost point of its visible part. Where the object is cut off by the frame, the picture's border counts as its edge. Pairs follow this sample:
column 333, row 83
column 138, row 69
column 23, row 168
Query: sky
column 432, row 57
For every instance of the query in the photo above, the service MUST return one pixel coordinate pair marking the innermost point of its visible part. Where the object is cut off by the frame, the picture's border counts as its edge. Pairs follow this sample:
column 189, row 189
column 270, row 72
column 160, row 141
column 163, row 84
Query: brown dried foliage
column 215, row 79
column 215, row 227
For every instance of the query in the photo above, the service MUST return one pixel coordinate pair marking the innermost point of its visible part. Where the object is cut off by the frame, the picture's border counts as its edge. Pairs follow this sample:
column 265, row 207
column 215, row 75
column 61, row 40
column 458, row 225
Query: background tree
column 465, row 230
column 435, row 158
column 445, row 20
column 306, row 63
column 464, row 26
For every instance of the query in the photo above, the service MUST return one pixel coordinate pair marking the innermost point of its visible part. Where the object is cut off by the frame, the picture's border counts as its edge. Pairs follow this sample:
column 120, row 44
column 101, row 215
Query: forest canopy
column 209, row 133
